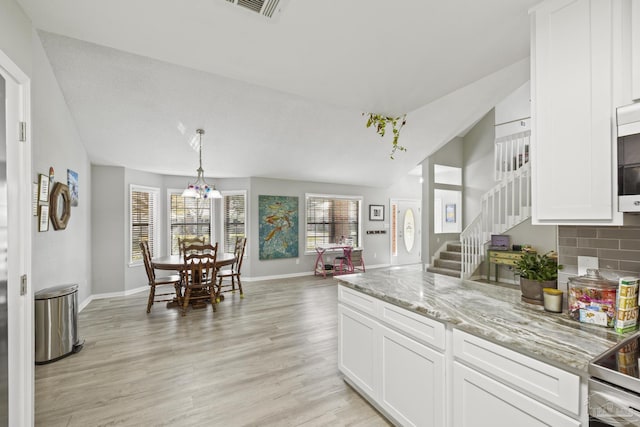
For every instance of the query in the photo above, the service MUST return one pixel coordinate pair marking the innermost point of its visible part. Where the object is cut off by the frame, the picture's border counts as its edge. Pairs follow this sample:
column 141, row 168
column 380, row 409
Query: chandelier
column 200, row 189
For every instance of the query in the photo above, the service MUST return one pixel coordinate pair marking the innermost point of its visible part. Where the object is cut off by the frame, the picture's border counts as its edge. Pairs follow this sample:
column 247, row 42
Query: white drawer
column 538, row 379
column 357, row 300
column 421, row 328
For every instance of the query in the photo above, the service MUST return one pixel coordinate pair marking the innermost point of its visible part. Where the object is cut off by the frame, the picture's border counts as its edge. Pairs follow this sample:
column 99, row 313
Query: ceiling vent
column 268, row 8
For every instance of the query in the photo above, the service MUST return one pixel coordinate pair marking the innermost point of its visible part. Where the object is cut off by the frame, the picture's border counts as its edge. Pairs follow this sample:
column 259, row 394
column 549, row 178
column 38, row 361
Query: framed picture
column 376, row 212
column 72, row 183
column 43, row 188
column 43, row 219
column 278, row 227
column 450, row 213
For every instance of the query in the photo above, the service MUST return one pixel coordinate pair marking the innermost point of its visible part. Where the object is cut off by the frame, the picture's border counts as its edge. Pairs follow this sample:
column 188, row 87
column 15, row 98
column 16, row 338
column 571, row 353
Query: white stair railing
column 505, row 205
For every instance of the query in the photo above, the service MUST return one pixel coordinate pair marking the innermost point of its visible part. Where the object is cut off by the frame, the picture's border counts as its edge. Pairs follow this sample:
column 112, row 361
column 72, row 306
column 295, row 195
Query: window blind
column 144, row 219
column 188, row 218
column 234, row 225
column 330, row 218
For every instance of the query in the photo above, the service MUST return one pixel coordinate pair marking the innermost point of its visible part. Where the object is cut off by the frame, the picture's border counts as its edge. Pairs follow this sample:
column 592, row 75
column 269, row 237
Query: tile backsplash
column 617, row 250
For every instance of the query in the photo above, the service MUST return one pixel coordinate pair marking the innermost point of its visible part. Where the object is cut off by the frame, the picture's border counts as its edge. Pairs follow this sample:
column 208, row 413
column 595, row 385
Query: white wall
column 15, row 35
column 62, row 256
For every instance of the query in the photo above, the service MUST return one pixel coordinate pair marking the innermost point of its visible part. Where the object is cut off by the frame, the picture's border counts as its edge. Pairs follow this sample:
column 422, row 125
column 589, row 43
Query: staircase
column 505, row 205
column 449, row 261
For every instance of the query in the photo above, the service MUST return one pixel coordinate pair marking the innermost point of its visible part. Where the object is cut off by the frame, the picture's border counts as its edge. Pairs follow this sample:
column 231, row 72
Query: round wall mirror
column 60, row 206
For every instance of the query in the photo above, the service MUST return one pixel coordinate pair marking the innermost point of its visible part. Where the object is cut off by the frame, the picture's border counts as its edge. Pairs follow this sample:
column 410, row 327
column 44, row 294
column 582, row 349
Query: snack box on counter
column 599, row 301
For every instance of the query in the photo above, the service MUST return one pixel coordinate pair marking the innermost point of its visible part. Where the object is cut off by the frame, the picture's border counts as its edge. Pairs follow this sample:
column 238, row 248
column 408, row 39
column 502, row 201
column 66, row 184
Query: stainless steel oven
column 614, row 387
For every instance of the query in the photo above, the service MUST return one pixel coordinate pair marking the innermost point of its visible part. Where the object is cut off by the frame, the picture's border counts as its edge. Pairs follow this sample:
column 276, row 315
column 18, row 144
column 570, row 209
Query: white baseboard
column 128, row 292
column 277, row 276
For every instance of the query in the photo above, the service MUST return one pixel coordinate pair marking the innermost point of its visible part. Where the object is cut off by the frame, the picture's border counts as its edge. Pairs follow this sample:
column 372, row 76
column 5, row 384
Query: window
column 328, row 218
column 233, row 218
column 188, row 217
column 143, row 202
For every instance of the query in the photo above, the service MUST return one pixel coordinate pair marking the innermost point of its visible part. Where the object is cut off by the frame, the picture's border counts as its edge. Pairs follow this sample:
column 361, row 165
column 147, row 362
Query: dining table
column 176, row 263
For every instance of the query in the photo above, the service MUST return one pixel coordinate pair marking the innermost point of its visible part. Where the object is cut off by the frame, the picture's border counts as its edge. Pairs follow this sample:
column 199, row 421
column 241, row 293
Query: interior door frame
column 20, row 334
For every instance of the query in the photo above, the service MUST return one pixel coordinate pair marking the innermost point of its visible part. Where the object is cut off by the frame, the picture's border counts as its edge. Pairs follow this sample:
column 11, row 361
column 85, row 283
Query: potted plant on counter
column 537, row 272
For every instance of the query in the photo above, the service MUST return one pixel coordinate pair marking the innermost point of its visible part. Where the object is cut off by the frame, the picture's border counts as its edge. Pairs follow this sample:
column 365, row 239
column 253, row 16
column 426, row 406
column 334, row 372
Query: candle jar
column 552, row 300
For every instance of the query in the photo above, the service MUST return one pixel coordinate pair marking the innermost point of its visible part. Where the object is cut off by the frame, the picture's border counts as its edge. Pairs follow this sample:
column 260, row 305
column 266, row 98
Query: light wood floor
column 269, row 359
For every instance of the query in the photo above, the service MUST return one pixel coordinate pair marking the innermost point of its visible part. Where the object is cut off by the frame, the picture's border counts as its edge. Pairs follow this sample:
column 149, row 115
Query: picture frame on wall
column 43, row 219
column 376, row 212
column 450, row 213
column 43, row 188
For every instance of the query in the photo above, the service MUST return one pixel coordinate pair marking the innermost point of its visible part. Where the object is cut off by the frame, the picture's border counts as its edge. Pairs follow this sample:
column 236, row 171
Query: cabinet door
column 572, row 135
column 412, row 386
column 357, row 349
column 481, row 401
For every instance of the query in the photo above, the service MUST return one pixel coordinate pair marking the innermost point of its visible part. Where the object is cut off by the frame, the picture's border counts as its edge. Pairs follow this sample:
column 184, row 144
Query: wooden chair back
column 233, row 273
column 199, row 264
column 188, row 241
column 241, row 244
column 199, row 274
column 146, row 257
column 171, row 280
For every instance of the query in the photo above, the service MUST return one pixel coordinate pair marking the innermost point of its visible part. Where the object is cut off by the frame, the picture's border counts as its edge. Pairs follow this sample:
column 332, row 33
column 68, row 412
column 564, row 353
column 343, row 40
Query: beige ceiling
column 279, row 98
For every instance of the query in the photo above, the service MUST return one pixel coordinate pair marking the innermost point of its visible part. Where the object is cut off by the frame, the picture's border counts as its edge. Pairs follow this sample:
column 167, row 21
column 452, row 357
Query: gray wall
column 109, row 220
column 63, row 256
column 110, row 234
column 478, row 165
column 449, row 155
column 376, row 246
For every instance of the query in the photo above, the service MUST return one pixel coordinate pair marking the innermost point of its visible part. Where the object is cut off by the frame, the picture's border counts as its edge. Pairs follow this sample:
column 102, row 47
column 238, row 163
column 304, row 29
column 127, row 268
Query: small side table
column 501, row 258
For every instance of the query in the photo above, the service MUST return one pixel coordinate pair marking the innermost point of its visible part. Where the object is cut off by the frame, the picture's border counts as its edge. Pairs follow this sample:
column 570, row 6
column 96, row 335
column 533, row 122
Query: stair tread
column 456, row 256
column 445, row 271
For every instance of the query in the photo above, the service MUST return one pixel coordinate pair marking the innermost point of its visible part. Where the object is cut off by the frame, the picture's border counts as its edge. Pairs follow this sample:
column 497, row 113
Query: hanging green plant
column 381, row 123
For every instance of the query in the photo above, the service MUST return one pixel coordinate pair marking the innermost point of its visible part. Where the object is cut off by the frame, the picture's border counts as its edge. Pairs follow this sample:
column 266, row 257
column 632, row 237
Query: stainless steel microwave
column 628, row 118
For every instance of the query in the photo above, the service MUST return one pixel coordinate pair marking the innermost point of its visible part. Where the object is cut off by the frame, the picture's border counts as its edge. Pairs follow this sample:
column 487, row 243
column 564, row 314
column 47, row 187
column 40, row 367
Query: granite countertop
column 492, row 312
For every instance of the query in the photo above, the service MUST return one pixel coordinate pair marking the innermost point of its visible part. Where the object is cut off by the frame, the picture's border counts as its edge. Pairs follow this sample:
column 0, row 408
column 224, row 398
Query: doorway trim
column 20, row 334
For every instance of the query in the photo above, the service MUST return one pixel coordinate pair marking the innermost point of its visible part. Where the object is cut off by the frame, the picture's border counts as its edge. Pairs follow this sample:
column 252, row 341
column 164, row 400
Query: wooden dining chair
column 172, row 280
column 187, row 241
column 199, row 274
column 233, row 273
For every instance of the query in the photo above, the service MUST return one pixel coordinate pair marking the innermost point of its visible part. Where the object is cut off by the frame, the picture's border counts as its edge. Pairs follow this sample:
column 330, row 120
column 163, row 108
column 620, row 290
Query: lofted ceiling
column 280, row 97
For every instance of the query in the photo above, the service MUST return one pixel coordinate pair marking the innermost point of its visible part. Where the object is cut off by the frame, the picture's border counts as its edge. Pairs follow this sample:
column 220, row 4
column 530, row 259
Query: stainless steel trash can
column 56, row 323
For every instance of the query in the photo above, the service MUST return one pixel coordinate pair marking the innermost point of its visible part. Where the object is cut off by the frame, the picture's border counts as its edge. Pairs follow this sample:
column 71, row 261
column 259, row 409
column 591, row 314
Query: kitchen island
column 428, row 349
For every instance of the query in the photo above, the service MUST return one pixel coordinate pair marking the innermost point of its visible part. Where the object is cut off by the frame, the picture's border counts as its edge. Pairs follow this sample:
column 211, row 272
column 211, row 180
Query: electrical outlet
column 297, row 260
column 585, row 262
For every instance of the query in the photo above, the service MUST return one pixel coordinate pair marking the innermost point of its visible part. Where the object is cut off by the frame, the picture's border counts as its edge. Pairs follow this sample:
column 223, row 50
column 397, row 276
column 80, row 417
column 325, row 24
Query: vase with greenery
column 537, row 271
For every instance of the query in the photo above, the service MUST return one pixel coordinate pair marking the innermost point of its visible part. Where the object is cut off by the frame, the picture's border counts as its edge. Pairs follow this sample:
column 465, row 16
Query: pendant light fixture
column 200, row 189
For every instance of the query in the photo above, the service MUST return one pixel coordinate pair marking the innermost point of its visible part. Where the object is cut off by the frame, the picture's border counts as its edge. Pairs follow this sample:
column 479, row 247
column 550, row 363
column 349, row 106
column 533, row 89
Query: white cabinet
column 382, row 351
column 358, row 348
column 482, row 401
column 573, row 112
column 418, row 373
column 412, row 380
column 635, row 50
column 543, row 382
